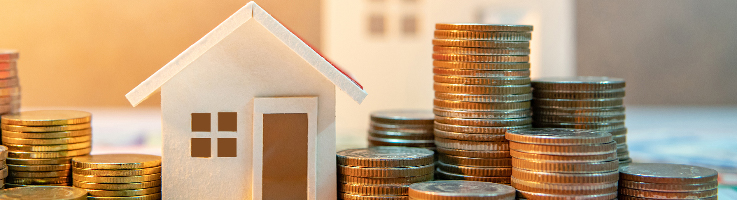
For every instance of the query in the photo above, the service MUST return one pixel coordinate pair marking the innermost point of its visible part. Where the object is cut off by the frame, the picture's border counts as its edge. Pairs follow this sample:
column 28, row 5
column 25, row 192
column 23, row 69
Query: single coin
column 22, row 141
column 562, row 94
column 8, row 55
column 116, row 172
column 578, row 103
column 550, row 177
column 481, row 51
column 482, row 80
column 116, row 186
column 374, row 181
column 385, row 157
column 400, row 142
column 480, row 58
column 483, row 27
column 477, row 106
column 668, row 195
column 399, row 135
column 489, row 114
column 532, row 195
column 480, row 66
column 473, row 154
column 470, row 137
column 51, row 174
column 475, row 171
column 347, row 196
column 34, row 168
column 481, row 73
column 386, row 172
column 380, row 190
column 559, row 111
column 443, row 175
column 590, row 126
column 475, row 162
column 47, row 118
column 480, row 43
column 484, row 122
column 579, row 83
column 419, row 129
column 668, row 187
column 116, row 179
column 472, row 145
column 60, row 147
column 63, row 134
column 484, row 98
column 117, row 161
column 124, row 193
column 154, row 196
column 41, row 181
column 667, row 173
column 565, row 158
column 11, row 185
column 578, row 119
column 565, row 150
column 558, row 136
column 33, row 161
column 481, row 89
column 424, row 117
column 566, row 167
column 38, row 129
column 49, row 154
column 564, row 188
column 44, row 193
column 461, row 190
column 474, row 129
column 483, row 35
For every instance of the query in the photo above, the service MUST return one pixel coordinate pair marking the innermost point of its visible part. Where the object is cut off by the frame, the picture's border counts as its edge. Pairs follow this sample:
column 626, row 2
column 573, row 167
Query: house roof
column 250, row 11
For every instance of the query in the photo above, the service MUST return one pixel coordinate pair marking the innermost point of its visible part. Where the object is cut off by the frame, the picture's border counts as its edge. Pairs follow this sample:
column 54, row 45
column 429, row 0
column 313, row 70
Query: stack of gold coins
column 460, row 190
column 554, row 163
column 41, row 144
column 666, row 181
column 4, row 171
column 482, row 88
column 584, row 102
column 44, row 193
column 9, row 86
column 118, row 176
column 382, row 172
column 410, row 128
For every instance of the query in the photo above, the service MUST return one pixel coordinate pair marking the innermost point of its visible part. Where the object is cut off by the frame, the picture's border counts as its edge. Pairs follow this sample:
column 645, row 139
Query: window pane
column 201, row 147
column 376, row 24
column 227, row 121
column 409, row 25
column 201, row 122
column 227, row 147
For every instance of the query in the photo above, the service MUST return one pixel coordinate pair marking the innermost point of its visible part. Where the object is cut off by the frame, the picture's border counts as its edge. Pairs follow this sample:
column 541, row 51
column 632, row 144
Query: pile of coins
column 666, row 181
column 118, row 176
column 44, row 193
column 584, row 102
column 460, row 190
column 410, row 128
column 9, row 85
column 382, row 172
column 4, row 171
column 482, row 88
column 554, row 163
column 41, row 144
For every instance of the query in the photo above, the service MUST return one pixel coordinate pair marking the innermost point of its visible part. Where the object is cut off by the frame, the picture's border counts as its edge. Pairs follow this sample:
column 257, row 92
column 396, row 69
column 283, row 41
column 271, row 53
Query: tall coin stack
column 666, row 181
column 482, row 88
column 118, row 176
column 9, row 85
column 584, row 102
column 410, row 128
column 553, row 163
column 4, row 171
column 460, row 190
column 382, row 172
column 42, row 143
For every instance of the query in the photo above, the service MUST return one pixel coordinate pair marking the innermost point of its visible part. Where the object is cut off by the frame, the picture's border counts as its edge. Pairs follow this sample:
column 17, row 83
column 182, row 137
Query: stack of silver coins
column 382, row 172
column 9, row 84
column 460, row 190
column 553, row 163
column 409, row 128
column 666, row 181
column 482, row 88
column 584, row 102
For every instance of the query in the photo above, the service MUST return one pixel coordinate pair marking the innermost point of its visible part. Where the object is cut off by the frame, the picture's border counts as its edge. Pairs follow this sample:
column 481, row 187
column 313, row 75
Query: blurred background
column 677, row 56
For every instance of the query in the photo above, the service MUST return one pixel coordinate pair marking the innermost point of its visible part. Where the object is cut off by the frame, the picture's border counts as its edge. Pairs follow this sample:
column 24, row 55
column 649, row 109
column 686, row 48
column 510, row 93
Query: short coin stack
column 382, row 172
column 584, row 102
column 410, row 128
column 552, row 163
column 41, row 144
column 44, row 193
column 9, row 85
column 118, row 176
column 460, row 190
column 482, row 88
column 666, row 181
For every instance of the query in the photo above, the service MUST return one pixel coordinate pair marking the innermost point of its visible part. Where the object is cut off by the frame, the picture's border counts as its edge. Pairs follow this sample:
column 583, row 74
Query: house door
column 284, row 148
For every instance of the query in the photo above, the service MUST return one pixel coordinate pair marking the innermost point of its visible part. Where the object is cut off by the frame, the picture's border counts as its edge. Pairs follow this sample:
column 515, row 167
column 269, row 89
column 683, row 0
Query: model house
column 248, row 112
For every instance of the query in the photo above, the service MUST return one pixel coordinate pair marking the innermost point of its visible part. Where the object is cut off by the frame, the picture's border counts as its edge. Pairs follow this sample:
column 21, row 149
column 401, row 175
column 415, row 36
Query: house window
column 226, row 147
column 201, row 122
column 409, row 25
column 376, row 24
column 228, row 121
column 201, row 147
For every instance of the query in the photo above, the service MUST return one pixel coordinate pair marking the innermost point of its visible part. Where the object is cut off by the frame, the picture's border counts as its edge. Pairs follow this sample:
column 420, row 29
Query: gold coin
column 60, row 147
column 8, row 65
column 481, row 89
column 348, row 196
column 35, row 168
column 116, row 179
column 46, row 161
column 47, row 118
column 44, row 192
column 49, row 154
column 41, row 129
column 483, row 35
column 386, row 172
column 8, row 55
column 34, row 181
column 381, row 189
column 481, row 73
column 117, row 161
column 480, row 43
column 63, row 134
column 480, row 58
column 481, row 51
column 124, row 193
column 8, row 91
column 116, row 186
column 116, row 172
column 154, row 196
column 478, row 130
column 484, row 27
column 22, row 141
column 375, row 181
column 480, row 66
column 11, row 185
column 482, row 81
column 51, row 174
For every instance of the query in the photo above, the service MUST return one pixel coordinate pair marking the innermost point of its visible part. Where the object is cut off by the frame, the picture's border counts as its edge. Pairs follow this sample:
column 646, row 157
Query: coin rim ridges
column 588, row 149
column 533, row 156
column 377, row 189
column 475, row 162
column 481, row 58
column 566, row 167
column 471, row 73
column 470, row 136
column 477, row 106
column 552, row 177
column 452, row 176
column 480, row 66
column 450, row 79
column 483, row 27
column 668, row 195
column 513, row 135
column 477, row 130
column 384, row 162
column 475, row 171
column 481, row 51
column 386, row 172
column 483, row 35
column 668, row 187
column 522, row 113
column 472, row 145
column 484, row 122
column 473, row 154
column 480, row 43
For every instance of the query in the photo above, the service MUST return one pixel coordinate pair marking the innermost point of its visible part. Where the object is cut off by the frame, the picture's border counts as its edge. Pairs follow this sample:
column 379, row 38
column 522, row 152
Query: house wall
column 248, row 63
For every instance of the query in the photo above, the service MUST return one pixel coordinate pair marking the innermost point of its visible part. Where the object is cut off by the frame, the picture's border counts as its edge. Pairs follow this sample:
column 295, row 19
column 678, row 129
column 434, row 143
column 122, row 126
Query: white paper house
column 248, row 112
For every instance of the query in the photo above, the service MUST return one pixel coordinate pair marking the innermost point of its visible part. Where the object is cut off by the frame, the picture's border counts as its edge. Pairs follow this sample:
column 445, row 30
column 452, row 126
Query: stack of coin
column 41, row 144
column 482, row 88
column 9, row 86
column 666, row 181
column 460, row 190
column 410, row 128
column 584, row 102
column 554, row 163
column 44, row 193
column 118, row 176
column 382, row 172
column 4, row 171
